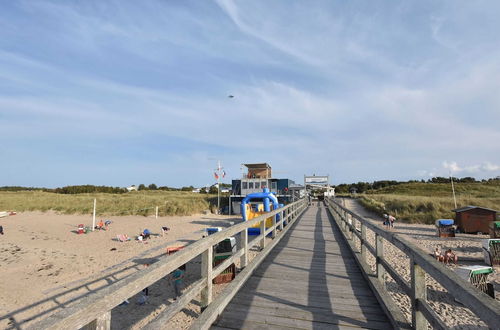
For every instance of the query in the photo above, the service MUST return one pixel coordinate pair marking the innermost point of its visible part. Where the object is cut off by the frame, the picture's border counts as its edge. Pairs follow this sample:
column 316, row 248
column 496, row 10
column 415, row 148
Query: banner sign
column 316, row 179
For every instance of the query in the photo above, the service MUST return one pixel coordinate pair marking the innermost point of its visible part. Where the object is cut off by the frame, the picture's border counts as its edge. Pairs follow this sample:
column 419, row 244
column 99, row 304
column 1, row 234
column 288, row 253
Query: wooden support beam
column 244, row 246
column 418, row 291
column 282, row 214
column 206, row 273
column 379, row 248
column 101, row 323
column 363, row 243
column 274, row 226
column 263, row 234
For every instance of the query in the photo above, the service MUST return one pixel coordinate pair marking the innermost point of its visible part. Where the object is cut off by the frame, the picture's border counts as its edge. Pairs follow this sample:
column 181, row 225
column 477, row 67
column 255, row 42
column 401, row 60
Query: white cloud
column 471, row 169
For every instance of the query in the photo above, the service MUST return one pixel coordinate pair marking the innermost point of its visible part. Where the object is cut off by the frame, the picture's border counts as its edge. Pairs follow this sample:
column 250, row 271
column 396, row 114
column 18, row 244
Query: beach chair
column 122, row 238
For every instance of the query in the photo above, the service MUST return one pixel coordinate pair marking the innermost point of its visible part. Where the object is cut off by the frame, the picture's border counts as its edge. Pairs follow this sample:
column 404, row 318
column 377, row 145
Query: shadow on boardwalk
column 270, row 298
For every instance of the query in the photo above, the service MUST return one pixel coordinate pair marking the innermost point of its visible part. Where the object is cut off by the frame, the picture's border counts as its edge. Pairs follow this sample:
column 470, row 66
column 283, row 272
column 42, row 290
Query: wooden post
column 263, row 234
column 244, row 245
column 379, row 248
column 156, row 213
column 274, row 225
column 101, row 323
column 206, row 272
column 363, row 242
column 93, row 217
column 418, row 291
column 282, row 217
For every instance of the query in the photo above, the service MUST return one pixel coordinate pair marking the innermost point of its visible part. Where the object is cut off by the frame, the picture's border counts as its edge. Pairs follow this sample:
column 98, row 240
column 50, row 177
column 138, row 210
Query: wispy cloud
column 357, row 91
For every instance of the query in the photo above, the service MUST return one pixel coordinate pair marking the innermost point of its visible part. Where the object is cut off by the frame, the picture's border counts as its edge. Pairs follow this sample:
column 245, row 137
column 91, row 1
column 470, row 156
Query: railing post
column 418, row 292
column 103, row 322
column 363, row 242
column 244, row 245
column 282, row 217
column 379, row 247
column 263, row 233
column 206, row 272
column 274, row 225
column 344, row 221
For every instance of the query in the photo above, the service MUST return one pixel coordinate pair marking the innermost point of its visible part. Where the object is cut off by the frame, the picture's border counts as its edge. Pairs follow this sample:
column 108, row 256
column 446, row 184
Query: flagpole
column 218, row 187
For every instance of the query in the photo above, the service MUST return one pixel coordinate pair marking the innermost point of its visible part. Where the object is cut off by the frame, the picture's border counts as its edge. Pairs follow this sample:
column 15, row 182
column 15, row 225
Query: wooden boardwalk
column 309, row 281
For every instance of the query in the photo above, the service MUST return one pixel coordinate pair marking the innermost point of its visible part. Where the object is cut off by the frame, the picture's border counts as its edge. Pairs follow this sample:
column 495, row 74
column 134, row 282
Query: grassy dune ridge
column 132, row 203
column 426, row 202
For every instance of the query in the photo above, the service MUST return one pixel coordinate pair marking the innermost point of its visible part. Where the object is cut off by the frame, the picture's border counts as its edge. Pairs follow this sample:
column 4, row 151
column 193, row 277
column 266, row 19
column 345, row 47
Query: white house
column 132, row 188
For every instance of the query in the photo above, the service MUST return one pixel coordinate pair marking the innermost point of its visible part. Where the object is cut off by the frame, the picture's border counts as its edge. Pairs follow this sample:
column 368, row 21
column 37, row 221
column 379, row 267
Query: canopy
column 444, row 222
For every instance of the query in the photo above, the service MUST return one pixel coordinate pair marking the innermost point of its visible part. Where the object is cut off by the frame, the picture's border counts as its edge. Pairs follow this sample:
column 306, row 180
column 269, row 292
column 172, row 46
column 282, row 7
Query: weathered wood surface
column 308, row 281
column 485, row 307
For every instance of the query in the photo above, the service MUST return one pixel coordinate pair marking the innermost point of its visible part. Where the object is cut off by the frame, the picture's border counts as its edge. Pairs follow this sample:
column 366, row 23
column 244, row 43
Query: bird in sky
column 230, row 96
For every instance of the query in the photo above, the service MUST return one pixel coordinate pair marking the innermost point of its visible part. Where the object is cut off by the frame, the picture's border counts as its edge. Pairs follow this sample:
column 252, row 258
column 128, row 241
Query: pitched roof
column 471, row 207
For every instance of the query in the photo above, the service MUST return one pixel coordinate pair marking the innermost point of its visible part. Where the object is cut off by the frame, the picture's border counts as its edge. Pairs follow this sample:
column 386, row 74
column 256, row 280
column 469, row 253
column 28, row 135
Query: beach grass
column 132, row 203
column 426, row 202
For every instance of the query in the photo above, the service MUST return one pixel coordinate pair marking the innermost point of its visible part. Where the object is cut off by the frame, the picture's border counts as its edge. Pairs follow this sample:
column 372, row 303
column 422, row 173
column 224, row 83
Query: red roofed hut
column 473, row 219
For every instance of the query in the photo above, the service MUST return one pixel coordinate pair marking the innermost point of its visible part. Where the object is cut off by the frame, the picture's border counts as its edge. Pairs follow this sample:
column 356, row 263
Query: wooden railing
column 421, row 263
column 94, row 310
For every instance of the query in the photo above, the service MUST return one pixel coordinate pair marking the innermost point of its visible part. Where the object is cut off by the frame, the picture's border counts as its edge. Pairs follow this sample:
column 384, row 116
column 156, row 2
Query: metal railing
column 94, row 310
column 421, row 263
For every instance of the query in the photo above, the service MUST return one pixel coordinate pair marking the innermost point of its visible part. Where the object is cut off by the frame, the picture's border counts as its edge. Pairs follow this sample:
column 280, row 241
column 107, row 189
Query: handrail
column 486, row 308
column 94, row 310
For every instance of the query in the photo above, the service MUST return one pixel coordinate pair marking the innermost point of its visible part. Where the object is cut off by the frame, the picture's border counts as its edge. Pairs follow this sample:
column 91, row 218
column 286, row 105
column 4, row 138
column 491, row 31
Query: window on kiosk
column 244, row 185
column 250, row 185
column 257, row 185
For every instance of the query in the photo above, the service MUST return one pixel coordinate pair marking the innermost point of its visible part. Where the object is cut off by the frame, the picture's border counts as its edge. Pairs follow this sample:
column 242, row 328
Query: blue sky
column 128, row 92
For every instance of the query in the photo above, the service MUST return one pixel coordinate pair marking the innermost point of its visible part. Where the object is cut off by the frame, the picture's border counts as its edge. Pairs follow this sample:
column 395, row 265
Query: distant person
column 386, row 220
column 178, row 276
column 391, row 221
column 450, row 256
column 100, row 225
column 438, row 255
column 1, row 230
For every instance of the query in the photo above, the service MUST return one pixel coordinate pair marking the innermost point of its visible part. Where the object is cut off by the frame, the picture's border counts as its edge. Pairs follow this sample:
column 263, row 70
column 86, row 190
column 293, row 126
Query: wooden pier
column 309, row 281
column 311, row 273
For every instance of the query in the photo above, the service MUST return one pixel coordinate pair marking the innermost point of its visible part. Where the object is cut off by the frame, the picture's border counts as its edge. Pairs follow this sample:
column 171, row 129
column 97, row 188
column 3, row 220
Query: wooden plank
column 332, row 288
column 160, row 320
column 365, row 312
column 302, row 275
column 206, row 274
column 388, row 305
column 323, row 316
column 292, row 322
column 430, row 315
column 221, row 301
column 323, row 300
column 418, row 291
column 395, row 275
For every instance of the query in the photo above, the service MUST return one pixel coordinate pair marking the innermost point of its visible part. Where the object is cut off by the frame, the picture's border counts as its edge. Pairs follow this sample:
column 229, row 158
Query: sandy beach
column 45, row 264
column 466, row 246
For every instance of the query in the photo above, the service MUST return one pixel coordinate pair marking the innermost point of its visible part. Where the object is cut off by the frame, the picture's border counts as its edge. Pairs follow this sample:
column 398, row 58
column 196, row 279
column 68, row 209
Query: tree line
column 361, row 187
column 85, row 189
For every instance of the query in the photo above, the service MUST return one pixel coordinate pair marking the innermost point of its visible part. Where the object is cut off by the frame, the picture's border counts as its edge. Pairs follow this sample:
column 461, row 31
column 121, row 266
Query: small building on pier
column 257, row 177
